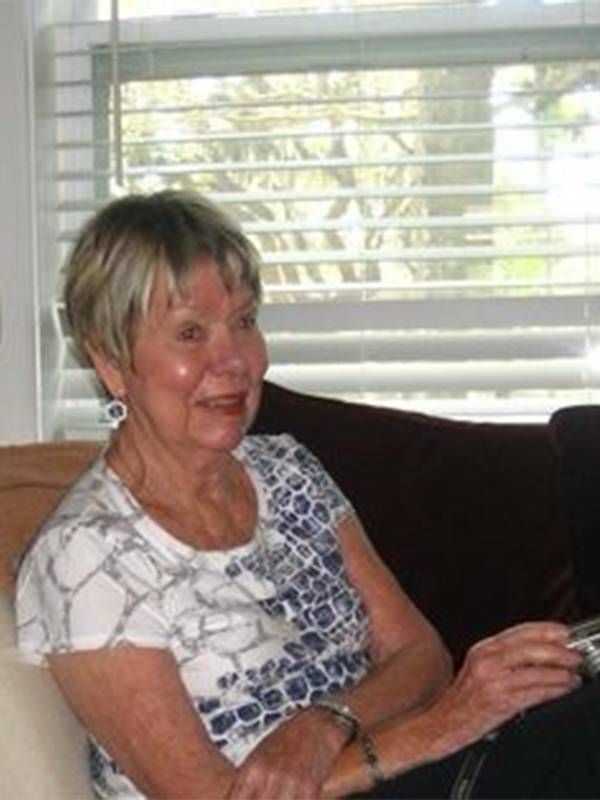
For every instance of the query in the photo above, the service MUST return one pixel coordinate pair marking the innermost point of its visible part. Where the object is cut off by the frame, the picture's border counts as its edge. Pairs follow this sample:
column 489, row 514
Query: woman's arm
column 411, row 667
column 411, row 663
column 133, row 701
column 501, row 676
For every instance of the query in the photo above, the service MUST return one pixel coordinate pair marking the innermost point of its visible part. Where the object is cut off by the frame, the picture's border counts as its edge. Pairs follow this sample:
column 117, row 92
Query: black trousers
column 552, row 752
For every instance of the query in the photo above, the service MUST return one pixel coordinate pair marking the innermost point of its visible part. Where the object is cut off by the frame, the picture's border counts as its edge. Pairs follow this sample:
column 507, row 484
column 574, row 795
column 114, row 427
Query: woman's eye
column 190, row 333
column 247, row 321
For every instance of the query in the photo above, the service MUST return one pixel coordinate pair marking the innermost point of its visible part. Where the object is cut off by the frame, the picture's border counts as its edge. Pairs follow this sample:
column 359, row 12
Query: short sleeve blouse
column 258, row 631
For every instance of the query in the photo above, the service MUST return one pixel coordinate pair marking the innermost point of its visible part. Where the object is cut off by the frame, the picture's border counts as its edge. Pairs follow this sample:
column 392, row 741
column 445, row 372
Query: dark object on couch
column 470, row 517
column 576, row 433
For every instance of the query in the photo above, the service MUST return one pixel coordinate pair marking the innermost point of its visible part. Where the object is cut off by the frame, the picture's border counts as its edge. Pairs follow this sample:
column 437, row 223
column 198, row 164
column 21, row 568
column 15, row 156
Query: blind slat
column 402, row 377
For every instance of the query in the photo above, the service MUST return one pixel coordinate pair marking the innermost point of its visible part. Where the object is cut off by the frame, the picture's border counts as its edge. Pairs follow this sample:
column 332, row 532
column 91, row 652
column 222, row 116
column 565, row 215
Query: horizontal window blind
column 422, row 180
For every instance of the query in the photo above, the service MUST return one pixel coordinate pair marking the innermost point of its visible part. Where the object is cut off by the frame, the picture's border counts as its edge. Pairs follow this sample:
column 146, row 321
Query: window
column 422, row 178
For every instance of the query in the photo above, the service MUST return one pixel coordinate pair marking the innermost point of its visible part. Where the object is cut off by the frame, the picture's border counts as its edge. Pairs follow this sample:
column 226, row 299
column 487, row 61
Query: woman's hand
column 293, row 761
column 508, row 673
column 500, row 677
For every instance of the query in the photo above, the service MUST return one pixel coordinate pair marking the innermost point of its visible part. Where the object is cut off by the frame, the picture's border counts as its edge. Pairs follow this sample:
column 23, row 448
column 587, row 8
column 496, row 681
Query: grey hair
column 112, row 268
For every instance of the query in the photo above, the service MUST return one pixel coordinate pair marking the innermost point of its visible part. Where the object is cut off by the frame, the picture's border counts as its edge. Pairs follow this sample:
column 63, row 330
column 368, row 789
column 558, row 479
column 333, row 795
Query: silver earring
column 116, row 411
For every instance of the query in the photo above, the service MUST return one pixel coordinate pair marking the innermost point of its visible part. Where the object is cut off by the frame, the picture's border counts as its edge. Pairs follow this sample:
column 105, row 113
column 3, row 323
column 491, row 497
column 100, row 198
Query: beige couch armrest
column 43, row 749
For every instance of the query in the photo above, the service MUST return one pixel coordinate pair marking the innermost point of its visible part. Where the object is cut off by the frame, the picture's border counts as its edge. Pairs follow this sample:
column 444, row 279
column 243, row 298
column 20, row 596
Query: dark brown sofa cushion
column 468, row 516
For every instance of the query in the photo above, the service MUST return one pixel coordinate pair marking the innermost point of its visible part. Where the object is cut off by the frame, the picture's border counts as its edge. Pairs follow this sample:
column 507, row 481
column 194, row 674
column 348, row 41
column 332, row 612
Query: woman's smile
column 233, row 405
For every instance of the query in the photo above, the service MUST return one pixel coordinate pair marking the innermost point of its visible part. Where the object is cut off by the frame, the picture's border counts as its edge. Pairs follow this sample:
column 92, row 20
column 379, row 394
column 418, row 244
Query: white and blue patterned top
column 258, row 631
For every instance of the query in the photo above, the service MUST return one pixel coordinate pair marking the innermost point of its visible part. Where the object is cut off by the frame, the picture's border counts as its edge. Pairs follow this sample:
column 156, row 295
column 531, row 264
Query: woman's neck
column 206, row 500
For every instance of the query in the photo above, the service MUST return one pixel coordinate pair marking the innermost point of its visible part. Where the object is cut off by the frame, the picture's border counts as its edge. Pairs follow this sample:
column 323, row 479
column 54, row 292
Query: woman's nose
column 225, row 352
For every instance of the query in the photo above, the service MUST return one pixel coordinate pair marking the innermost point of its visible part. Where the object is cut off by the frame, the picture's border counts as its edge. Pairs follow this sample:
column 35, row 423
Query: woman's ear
column 108, row 370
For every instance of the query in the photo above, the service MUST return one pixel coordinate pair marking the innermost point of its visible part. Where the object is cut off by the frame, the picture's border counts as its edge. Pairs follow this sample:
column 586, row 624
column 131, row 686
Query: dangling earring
column 116, row 411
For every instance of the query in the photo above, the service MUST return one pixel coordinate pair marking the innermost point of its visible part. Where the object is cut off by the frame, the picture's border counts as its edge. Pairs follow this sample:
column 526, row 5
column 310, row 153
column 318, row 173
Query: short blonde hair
column 113, row 265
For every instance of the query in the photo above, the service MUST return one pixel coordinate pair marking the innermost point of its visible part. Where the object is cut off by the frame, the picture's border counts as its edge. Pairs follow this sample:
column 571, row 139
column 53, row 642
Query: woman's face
column 197, row 365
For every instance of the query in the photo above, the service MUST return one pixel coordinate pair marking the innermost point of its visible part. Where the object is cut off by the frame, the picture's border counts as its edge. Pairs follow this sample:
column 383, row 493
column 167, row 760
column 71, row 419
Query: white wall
column 18, row 359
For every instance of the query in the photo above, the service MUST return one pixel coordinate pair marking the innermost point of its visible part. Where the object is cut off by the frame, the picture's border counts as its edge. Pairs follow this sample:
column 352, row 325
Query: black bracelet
column 371, row 758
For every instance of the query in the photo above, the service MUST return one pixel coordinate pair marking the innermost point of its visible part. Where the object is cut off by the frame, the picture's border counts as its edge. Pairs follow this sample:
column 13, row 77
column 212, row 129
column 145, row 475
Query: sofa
column 484, row 524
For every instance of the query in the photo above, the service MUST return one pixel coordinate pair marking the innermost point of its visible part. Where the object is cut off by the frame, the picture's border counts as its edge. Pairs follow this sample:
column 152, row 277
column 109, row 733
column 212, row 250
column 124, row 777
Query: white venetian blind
column 422, row 178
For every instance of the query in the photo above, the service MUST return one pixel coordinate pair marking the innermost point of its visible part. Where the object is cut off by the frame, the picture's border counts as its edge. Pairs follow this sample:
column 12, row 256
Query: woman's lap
column 552, row 752
column 555, row 752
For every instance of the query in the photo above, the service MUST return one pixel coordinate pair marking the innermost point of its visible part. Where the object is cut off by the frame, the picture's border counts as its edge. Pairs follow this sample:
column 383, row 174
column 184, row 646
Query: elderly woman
column 207, row 600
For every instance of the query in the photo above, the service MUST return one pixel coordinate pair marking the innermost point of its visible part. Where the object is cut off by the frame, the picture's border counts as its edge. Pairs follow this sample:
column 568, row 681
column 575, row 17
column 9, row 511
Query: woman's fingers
column 516, row 670
column 536, row 654
column 530, row 644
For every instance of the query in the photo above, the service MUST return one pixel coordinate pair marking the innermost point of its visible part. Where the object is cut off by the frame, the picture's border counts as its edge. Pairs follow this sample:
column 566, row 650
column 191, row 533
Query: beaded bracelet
column 371, row 758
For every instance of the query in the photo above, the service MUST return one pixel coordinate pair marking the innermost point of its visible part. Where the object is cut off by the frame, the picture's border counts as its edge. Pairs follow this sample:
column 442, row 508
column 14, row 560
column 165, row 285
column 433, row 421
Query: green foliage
column 408, row 176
